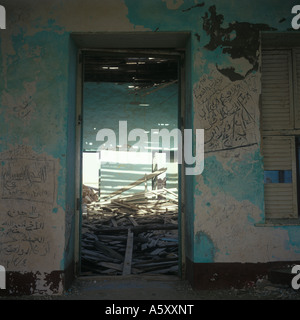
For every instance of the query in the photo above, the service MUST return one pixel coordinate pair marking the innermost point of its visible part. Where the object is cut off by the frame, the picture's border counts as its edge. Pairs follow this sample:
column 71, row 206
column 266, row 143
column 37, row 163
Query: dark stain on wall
column 230, row 73
column 239, row 40
column 20, row 283
column 197, row 35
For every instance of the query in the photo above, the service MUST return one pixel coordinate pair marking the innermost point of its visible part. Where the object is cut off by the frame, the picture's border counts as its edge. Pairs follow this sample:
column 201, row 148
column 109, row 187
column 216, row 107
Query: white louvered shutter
column 296, row 69
column 280, row 198
column 277, row 95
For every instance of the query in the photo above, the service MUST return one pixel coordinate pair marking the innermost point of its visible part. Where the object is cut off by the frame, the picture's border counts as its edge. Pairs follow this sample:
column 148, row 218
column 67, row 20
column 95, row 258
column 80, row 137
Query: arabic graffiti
column 28, row 195
column 27, row 179
column 226, row 112
column 21, row 235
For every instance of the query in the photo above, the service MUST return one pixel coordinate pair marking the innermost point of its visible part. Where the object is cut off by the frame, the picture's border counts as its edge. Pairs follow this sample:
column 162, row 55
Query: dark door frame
column 168, row 43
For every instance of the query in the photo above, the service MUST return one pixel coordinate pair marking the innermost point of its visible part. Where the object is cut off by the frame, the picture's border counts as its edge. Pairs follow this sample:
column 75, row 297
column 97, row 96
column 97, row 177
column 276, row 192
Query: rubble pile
column 131, row 234
column 89, row 194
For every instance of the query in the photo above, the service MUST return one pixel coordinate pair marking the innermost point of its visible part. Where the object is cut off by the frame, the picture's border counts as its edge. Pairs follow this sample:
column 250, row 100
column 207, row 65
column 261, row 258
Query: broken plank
column 152, row 243
column 132, row 220
column 108, row 237
column 109, row 272
column 157, row 251
column 155, row 264
column 136, row 183
column 95, row 259
column 128, row 254
column 121, row 204
column 139, row 228
column 109, row 265
column 171, row 192
column 114, row 222
column 112, row 253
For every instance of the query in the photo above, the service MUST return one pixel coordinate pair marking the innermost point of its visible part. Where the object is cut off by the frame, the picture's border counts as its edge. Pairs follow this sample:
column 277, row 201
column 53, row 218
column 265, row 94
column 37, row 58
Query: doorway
column 130, row 194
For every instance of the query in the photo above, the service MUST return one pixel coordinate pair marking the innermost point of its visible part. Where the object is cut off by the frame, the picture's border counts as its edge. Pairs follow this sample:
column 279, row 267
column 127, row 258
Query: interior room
column 129, row 185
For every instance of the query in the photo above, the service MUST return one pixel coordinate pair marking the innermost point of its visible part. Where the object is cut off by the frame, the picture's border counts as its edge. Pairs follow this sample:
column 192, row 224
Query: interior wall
column 224, row 206
column 148, row 108
column 105, row 104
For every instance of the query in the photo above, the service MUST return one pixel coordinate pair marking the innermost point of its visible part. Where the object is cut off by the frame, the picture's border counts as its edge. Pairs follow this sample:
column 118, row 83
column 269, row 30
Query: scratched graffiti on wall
column 27, row 194
column 27, row 179
column 20, row 103
column 22, row 236
column 24, row 109
column 226, row 111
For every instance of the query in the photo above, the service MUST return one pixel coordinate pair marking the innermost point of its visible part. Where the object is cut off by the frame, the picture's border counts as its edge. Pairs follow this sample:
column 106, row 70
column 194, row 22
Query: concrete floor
column 131, row 288
column 162, row 288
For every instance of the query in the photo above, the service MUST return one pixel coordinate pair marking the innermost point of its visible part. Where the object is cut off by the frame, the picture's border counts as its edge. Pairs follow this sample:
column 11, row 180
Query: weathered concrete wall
column 229, row 206
column 37, row 146
column 228, row 196
column 33, row 153
column 223, row 205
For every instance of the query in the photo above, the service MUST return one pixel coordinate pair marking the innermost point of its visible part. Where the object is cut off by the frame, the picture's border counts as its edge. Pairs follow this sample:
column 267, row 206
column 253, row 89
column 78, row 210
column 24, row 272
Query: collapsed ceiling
column 129, row 68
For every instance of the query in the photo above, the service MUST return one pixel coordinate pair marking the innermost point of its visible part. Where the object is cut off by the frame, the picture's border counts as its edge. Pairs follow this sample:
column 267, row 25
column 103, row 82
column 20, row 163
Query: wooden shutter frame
column 296, row 86
column 275, row 186
column 290, row 125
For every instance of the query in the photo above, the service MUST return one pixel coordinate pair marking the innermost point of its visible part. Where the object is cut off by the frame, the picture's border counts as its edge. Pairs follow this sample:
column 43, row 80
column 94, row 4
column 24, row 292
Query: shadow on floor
column 154, row 287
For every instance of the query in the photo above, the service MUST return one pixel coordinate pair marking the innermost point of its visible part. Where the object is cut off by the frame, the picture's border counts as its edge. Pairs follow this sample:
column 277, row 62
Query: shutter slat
column 296, row 67
column 276, row 90
column 280, row 110
column 279, row 205
column 280, row 198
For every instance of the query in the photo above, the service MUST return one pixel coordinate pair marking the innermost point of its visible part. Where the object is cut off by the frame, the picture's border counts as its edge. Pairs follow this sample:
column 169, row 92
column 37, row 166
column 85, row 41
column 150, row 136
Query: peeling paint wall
column 37, row 144
column 224, row 206
column 230, row 209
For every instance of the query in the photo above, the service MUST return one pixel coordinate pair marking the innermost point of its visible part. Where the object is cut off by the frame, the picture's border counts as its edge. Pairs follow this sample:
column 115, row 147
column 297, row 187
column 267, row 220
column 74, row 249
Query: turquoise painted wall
column 224, row 206
column 225, row 37
column 70, row 166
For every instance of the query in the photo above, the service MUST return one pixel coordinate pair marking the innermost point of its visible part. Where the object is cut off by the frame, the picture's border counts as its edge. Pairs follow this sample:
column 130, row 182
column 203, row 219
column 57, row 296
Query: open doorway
column 130, row 188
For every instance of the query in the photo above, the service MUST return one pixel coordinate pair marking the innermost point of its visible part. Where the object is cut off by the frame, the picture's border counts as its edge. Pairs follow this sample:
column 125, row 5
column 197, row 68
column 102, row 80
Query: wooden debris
column 89, row 194
column 128, row 254
column 131, row 234
column 154, row 237
column 136, row 183
column 133, row 221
